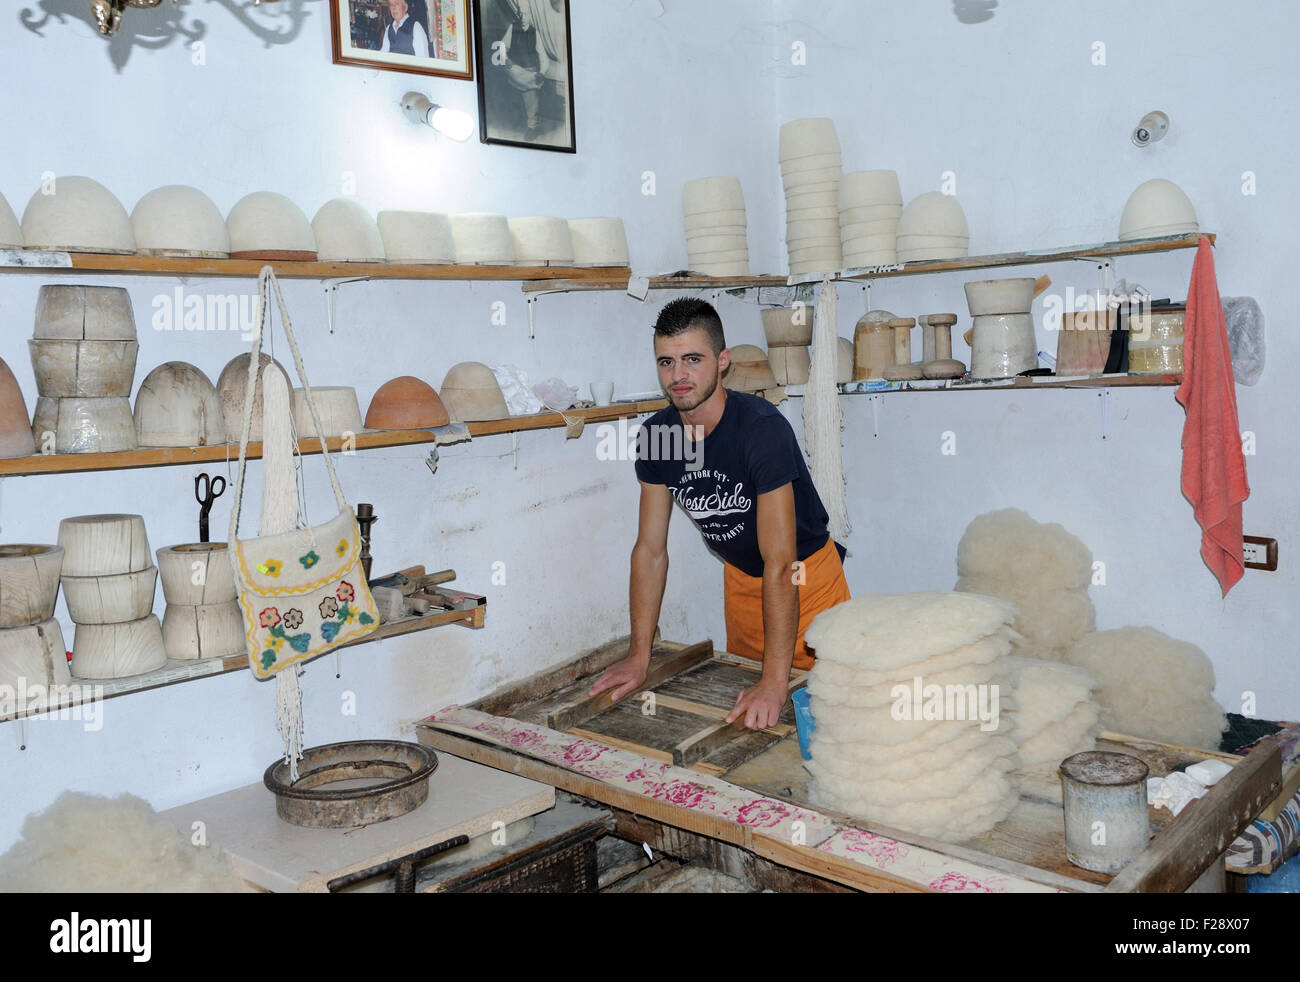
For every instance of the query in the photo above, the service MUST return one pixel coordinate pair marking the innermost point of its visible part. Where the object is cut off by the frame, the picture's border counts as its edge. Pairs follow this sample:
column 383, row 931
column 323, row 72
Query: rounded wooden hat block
column 406, row 403
column 470, row 393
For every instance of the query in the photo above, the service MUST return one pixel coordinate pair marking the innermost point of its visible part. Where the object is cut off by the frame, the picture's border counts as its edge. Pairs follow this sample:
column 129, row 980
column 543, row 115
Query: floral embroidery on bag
column 328, row 608
column 270, row 567
column 293, row 619
column 345, row 592
column 342, row 547
column 269, row 617
column 309, row 560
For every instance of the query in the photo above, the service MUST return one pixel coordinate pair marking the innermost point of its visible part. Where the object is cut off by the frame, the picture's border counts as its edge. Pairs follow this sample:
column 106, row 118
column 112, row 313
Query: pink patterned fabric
column 763, row 817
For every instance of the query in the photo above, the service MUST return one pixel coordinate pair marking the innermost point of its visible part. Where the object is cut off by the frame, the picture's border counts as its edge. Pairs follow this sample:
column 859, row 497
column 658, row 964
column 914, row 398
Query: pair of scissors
column 206, row 491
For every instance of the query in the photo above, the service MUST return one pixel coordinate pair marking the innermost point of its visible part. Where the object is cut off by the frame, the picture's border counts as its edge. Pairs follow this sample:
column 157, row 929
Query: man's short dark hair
column 686, row 313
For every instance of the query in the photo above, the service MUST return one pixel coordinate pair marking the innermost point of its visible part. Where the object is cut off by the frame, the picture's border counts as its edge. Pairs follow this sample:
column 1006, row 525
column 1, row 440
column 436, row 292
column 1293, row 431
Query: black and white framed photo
column 424, row 37
column 525, row 77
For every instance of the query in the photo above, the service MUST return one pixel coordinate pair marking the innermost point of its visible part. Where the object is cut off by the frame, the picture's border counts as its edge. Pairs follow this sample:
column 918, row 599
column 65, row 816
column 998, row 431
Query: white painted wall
column 1038, row 139
column 673, row 91
column 684, row 90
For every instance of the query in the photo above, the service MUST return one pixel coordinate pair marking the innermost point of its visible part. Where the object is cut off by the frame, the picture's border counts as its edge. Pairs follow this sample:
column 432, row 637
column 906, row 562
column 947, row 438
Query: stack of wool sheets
column 1055, row 716
column 1041, row 568
column 907, row 692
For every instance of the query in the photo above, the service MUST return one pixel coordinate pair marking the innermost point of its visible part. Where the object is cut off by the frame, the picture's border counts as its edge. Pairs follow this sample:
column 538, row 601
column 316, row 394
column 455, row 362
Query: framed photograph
column 525, row 78
column 424, row 37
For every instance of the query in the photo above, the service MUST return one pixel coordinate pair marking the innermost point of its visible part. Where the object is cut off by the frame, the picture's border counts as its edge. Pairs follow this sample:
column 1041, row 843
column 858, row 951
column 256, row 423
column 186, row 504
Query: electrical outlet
column 1259, row 553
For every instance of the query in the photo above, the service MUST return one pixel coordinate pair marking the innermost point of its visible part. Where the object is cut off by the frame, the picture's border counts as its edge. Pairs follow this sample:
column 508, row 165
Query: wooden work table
column 525, row 728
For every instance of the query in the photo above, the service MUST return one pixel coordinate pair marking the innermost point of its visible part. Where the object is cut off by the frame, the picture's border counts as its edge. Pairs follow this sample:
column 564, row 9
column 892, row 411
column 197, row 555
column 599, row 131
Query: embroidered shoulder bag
column 302, row 592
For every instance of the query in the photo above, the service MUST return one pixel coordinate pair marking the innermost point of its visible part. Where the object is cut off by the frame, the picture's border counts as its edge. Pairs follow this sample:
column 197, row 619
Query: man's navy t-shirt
column 751, row 451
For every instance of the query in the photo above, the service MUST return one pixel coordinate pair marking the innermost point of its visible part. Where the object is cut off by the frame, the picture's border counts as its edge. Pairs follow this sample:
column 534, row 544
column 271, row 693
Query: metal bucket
column 1105, row 800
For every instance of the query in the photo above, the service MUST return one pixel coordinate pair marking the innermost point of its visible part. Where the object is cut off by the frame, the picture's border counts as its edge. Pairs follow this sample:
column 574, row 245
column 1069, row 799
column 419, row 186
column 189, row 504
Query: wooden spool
column 788, row 326
column 29, row 583
column 902, row 328
column 790, row 365
column 101, row 545
column 33, row 655
column 750, row 370
column 84, row 313
column 114, row 651
column 197, row 573
column 873, row 349
column 110, row 599
column 84, row 369
column 203, row 631
column 75, row 425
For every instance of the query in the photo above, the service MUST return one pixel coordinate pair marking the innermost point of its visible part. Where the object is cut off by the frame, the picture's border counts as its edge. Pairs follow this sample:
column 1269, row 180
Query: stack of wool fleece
column 1055, row 716
column 1153, row 686
column 1042, row 569
column 884, row 661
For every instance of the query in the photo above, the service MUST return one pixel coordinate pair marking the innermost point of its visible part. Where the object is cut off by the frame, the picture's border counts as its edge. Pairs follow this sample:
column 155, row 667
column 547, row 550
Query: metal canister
column 1105, row 800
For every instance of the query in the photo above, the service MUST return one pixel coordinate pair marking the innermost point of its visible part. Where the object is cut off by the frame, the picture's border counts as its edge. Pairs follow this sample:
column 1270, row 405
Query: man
column 747, row 488
column 523, row 53
column 405, row 35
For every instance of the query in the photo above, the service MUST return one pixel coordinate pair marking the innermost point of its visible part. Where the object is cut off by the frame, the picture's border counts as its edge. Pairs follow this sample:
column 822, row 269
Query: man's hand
column 760, row 704
column 623, row 677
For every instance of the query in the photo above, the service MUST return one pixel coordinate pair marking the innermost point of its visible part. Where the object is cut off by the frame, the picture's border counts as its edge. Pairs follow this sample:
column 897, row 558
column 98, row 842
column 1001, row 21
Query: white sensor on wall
column 1151, row 128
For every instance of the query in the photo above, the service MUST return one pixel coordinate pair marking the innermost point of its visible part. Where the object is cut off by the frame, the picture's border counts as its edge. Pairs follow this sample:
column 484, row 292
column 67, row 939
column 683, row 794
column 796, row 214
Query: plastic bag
column 1245, row 323
column 555, row 394
column 520, row 400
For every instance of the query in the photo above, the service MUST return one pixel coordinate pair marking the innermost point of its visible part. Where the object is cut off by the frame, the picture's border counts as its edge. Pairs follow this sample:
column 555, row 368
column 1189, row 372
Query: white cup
column 602, row 393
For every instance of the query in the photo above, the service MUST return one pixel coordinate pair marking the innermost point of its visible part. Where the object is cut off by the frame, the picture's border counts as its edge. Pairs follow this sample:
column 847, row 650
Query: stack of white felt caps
column 870, row 207
column 810, row 171
column 908, row 693
column 717, row 241
column 1055, row 717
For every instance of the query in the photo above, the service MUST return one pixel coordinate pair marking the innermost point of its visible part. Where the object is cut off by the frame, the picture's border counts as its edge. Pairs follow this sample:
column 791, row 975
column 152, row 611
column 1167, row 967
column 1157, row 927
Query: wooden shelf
column 162, row 457
column 1101, row 250
column 35, row 261
column 1017, row 384
column 175, row 672
column 1090, row 252
column 551, row 278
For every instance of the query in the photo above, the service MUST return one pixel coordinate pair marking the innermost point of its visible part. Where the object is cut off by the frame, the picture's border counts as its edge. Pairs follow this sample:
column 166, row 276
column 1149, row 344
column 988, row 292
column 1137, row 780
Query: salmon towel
column 1214, row 468
column 824, row 586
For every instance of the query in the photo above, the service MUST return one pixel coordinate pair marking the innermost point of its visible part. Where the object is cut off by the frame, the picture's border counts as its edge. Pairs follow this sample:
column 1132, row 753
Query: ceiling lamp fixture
column 453, row 123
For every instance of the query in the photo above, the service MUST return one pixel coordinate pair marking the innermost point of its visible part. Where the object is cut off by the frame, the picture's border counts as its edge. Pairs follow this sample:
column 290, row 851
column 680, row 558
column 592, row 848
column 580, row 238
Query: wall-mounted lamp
column 453, row 123
column 1151, row 128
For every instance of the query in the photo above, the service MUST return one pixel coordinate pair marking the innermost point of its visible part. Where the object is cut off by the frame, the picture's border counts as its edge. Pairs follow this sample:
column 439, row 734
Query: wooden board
column 1205, row 828
column 661, row 668
column 686, row 722
column 464, row 799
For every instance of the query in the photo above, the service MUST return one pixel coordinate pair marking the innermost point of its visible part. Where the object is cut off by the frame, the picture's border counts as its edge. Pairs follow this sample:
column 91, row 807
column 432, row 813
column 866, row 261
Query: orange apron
column 824, row 586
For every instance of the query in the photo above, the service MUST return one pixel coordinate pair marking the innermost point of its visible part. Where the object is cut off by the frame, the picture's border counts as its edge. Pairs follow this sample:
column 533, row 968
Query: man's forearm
column 645, row 596
column 780, row 620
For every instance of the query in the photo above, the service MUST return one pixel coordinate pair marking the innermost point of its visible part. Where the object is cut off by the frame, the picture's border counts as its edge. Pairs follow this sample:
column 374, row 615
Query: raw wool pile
column 1153, row 686
column 1055, row 716
column 1042, row 569
column 947, row 778
column 87, row 844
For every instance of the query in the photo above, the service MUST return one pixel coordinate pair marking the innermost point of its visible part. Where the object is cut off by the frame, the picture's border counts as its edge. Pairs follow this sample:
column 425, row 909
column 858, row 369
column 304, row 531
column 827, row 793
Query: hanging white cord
column 821, row 413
